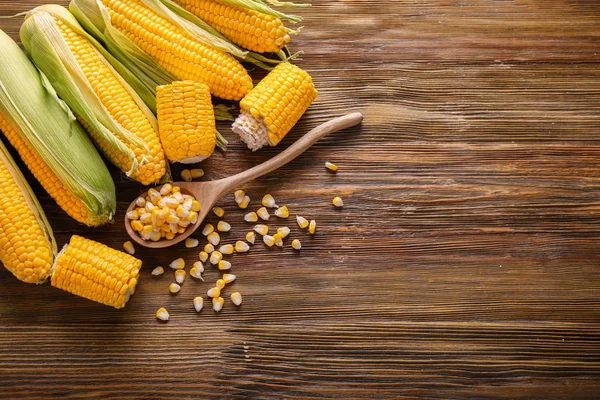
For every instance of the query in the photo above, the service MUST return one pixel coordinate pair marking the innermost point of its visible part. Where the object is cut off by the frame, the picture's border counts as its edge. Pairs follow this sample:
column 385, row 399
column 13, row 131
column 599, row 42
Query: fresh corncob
column 274, row 106
column 117, row 119
column 245, row 27
column 49, row 140
column 27, row 246
column 95, row 271
column 164, row 45
column 186, row 121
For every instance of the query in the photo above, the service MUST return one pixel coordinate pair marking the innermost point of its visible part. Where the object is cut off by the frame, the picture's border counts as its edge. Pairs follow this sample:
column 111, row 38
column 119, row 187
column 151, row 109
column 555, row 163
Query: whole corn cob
column 245, row 27
column 27, row 246
column 148, row 30
column 186, row 121
column 96, row 272
column 274, row 106
column 49, row 140
column 117, row 119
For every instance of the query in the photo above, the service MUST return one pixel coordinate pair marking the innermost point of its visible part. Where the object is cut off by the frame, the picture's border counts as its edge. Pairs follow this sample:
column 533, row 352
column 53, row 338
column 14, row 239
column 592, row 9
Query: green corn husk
column 32, row 108
column 46, row 46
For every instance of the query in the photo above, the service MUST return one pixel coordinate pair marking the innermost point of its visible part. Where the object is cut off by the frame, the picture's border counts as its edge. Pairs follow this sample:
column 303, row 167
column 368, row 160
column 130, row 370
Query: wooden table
column 465, row 263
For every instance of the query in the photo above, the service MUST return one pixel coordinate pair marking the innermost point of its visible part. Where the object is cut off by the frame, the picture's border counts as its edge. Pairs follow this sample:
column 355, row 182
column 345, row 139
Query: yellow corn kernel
column 263, row 213
column 172, row 219
column 196, row 207
column 284, row 231
column 191, row 243
column 268, row 201
column 302, row 222
column 244, row 203
column 312, row 228
column 250, row 237
column 214, row 292
column 154, row 196
column 177, row 264
column 140, row 202
column 239, row 196
column 203, row 256
column 251, row 217
column 224, row 265
column 282, row 212
column 209, row 248
column 162, row 314
column 338, row 202
column 128, row 246
column 165, row 189
column 331, row 166
column 223, row 226
column 226, row 249
column 197, row 173
column 220, row 284
column 214, row 238
column 198, row 303
column 208, row 229
column 296, row 245
column 186, row 175
column 269, row 240
column 236, row 298
column 218, row 303
column 216, row 257
column 228, row 278
column 218, row 211
column 196, row 272
column 137, row 226
column 261, row 229
column 174, row 288
column 169, row 235
column 278, row 240
column 132, row 215
column 180, row 276
column 158, row 271
column 241, row 247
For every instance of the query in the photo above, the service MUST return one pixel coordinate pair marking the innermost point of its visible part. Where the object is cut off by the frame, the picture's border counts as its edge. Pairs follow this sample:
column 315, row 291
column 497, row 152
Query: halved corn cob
column 49, row 140
column 274, row 106
column 186, row 121
column 117, row 119
column 163, row 46
column 245, row 27
column 92, row 270
column 27, row 246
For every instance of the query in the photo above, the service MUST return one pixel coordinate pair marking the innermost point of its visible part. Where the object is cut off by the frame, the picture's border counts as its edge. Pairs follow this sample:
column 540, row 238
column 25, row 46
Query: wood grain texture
column 465, row 263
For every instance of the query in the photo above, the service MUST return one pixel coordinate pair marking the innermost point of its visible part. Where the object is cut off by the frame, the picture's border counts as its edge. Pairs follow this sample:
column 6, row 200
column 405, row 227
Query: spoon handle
column 301, row 145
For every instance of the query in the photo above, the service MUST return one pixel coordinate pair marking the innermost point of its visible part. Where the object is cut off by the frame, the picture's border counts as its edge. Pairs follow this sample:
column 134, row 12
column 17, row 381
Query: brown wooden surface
column 465, row 264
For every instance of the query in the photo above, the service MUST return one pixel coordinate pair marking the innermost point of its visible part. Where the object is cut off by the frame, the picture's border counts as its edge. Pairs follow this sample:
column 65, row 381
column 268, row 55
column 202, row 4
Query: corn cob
column 119, row 122
column 247, row 28
column 274, row 106
column 27, row 246
column 49, row 140
column 163, row 45
column 95, row 271
column 186, row 121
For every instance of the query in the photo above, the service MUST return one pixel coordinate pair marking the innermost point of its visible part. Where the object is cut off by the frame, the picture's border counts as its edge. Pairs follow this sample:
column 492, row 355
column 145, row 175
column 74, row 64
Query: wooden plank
column 463, row 265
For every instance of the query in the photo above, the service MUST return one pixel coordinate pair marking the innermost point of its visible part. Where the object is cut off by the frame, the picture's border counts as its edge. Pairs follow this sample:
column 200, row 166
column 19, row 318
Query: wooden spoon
column 207, row 193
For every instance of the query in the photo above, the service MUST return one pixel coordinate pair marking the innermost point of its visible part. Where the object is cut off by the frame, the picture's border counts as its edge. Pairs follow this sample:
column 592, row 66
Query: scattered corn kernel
column 244, row 203
column 224, row 265
column 220, row 283
column 214, row 292
column 158, row 271
column 196, row 272
column 226, row 249
column 203, row 256
column 208, row 229
column 251, row 237
column 128, row 246
column 223, row 226
column 312, row 228
column 239, row 196
column 268, row 201
column 214, row 238
column 278, row 240
column 174, row 288
column 251, row 217
column 219, row 212
column 197, row 173
column 133, row 214
column 180, row 276
column 198, row 303
column 228, row 278
column 296, row 245
column 338, row 202
column 218, row 303
column 236, row 298
column 209, row 248
column 269, row 240
column 263, row 213
column 186, row 175
column 261, row 229
column 178, row 264
column 241, row 247
column 162, row 314
column 282, row 212
column 215, row 257
column 284, row 231
column 302, row 222
column 191, row 243
column 331, row 166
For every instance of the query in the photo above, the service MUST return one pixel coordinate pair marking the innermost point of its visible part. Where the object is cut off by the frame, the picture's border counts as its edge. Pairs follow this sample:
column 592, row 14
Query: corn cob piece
column 167, row 41
column 117, row 119
column 186, row 121
column 49, row 140
column 27, row 246
column 274, row 106
column 247, row 28
column 92, row 270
